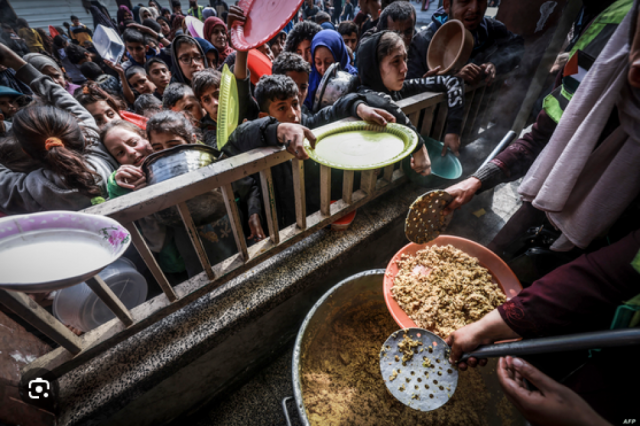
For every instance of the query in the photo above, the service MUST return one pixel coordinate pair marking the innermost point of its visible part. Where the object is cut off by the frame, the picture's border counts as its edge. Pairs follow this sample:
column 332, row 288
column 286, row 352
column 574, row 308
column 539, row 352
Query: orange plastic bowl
column 502, row 274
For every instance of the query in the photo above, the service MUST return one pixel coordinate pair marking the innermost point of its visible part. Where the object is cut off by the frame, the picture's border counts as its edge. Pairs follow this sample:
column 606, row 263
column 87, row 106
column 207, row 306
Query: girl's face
column 102, row 112
column 165, row 140
column 393, row 68
column 190, row 59
column 323, row 58
column 219, row 37
column 127, row 147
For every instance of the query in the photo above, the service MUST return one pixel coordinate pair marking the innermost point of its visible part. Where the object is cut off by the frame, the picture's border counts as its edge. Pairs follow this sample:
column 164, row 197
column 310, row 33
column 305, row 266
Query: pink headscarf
column 209, row 24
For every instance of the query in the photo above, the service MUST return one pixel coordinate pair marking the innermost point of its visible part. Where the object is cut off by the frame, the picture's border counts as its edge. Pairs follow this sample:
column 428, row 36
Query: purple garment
column 71, row 88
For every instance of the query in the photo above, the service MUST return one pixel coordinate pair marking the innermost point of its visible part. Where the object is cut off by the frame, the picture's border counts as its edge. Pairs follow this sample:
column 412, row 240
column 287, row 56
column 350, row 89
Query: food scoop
column 426, row 218
column 414, row 362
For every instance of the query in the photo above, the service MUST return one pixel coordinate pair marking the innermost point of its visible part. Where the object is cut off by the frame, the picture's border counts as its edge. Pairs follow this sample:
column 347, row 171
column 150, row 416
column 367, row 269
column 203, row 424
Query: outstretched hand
column 374, row 115
column 292, row 136
column 235, row 14
column 552, row 404
column 462, row 192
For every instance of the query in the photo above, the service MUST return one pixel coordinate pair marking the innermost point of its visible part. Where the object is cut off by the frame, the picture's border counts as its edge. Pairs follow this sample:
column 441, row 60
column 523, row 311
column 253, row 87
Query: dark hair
column 276, row 38
column 154, row 60
column 348, row 28
column 33, row 126
column 185, row 40
column 387, row 42
column 133, row 70
column 173, row 93
column 91, row 70
column 164, row 19
column 95, row 94
column 150, row 41
column 132, row 36
column 22, row 23
column 151, row 23
column 171, row 122
column 146, row 102
column 6, row 27
column 288, row 61
column 397, row 11
column 76, row 53
column 175, row 3
column 58, row 41
column 322, row 17
column 73, row 17
column 13, row 157
column 205, row 79
column 274, row 87
column 302, row 31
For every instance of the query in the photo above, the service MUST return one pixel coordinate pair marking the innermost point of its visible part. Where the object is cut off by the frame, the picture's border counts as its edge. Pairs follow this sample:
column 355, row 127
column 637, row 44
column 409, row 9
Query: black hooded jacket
column 372, row 84
column 177, row 76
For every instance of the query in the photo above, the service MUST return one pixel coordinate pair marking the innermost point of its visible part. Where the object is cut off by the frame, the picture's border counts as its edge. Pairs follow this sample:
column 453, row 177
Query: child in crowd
column 94, row 74
column 137, row 48
column 180, row 97
column 80, row 32
column 48, row 66
column 295, row 67
column 158, row 72
column 137, row 78
column 206, row 87
column 276, row 44
column 147, row 105
column 187, row 58
column 105, row 108
column 8, row 104
column 299, row 39
column 282, row 123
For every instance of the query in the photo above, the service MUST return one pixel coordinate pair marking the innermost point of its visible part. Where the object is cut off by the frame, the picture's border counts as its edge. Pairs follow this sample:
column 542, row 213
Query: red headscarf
column 177, row 25
column 209, row 24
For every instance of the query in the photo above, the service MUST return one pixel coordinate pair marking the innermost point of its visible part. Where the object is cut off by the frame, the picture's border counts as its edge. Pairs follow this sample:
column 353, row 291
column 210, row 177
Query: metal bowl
column 176, row 161
column 334, row 84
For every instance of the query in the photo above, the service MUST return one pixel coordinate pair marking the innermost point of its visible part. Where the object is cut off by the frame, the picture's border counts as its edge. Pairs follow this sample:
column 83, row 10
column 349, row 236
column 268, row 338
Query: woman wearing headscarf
column 327, row 47
column 136, row 13
column 165, row 26
column 187, row 58
column 125, row 17
column 144, row 13
column 48, row 66
column 210, row 51
column 216, row 32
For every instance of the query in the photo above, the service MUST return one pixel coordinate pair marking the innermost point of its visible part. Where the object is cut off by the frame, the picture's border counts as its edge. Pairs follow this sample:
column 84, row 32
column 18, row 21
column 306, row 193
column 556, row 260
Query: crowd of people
column 76, row 128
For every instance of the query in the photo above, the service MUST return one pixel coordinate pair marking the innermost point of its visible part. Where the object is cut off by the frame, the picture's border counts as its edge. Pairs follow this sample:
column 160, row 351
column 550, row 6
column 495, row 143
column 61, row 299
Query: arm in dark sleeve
column 344, row 107
column 452, row 86
column 251, row 135
column 517, row 158
column 247, row 106
column 417, row 57
column 578, row 297
column 506, row 52
column 248, row 191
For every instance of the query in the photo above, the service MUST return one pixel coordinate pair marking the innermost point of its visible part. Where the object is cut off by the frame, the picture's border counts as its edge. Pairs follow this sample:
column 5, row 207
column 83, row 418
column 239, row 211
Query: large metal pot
column 176, row 161
column 335, row 83
column 365, row 288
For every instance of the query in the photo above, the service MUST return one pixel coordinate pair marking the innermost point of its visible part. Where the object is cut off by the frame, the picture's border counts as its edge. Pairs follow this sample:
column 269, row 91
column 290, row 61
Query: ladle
column 427, row 380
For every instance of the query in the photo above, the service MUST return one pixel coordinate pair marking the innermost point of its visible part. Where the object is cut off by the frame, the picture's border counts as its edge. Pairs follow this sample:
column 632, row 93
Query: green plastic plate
column 362, row 146
column 228, row 107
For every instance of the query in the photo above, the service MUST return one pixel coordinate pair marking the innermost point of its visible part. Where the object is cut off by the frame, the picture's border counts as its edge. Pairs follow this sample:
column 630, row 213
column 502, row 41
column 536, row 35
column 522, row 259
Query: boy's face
column 160, row 75
column 304, row 50
column 127, row 147
column 302, row 81
column 209, row 100
column 75, row 22
column 138, row 51
column 8, row 106
column 141, row 84
column 102, row 112
column 190, row 104
column 165, row 140
column 351, row 40
column 57, row 77
column 287, row 111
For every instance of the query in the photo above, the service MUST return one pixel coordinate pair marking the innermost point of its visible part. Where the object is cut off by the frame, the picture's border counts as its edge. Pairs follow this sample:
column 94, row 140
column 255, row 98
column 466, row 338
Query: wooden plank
column 149, row 260
column 268, row 194
column 234, row 218
column 185, row 214
column 102, row 290
column 427, row 121
column 441, row 121
column 299, row 193
column 325, row 190
column 420, row 101
column 368, row 180
column 27, row 309
column 414, row 117
column 347, row 186
column 388, row 172
column 97, row 341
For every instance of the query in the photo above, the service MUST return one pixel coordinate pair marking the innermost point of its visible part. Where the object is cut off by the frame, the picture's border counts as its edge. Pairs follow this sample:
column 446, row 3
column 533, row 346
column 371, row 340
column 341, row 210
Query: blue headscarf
column 207, row 47
column 332, row 40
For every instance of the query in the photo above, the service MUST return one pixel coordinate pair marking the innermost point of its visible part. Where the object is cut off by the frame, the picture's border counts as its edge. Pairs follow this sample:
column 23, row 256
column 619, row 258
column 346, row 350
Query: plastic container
column 450, row 47
column 80, row 307
column 108, row 43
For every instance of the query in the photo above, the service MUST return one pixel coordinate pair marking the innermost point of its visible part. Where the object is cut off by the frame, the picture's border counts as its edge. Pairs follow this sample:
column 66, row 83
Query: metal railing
column 427, row 111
